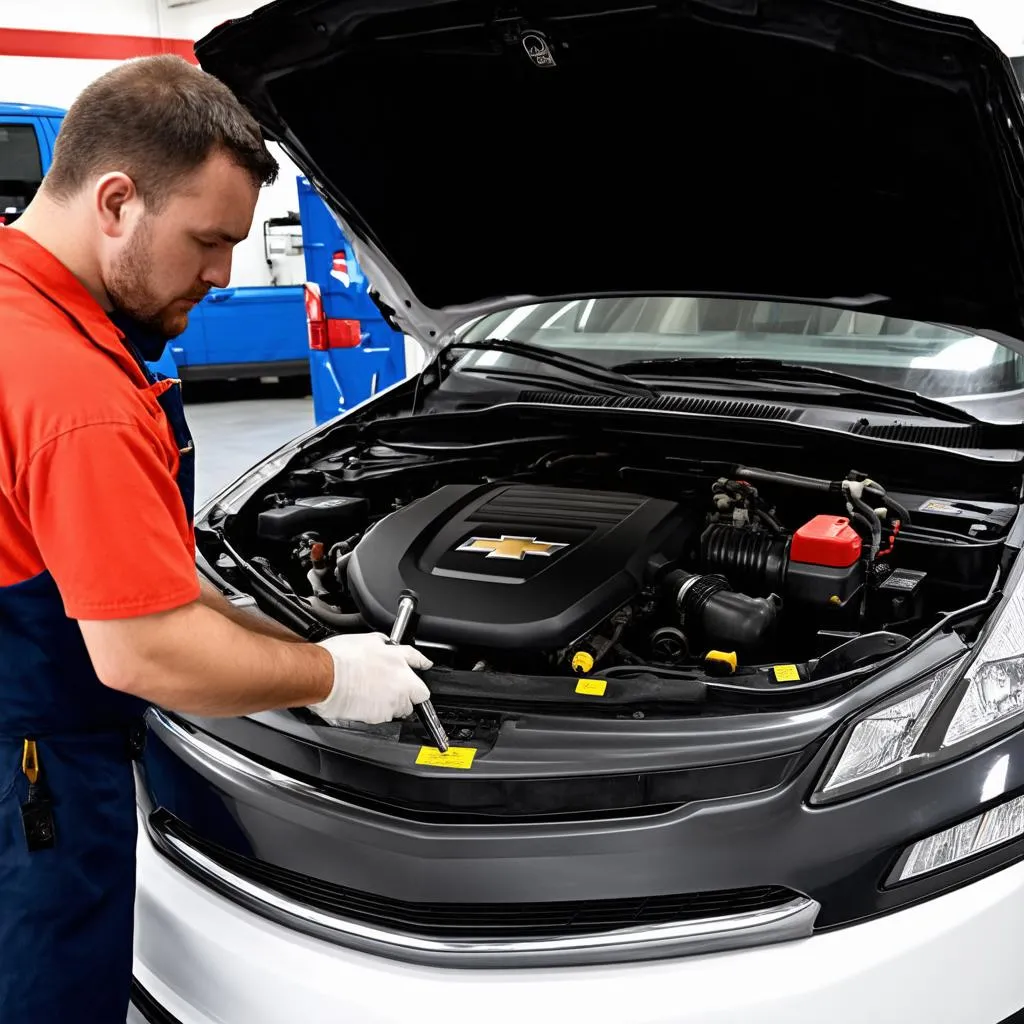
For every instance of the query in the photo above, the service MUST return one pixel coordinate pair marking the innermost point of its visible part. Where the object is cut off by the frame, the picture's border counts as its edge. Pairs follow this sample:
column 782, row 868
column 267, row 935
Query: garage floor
column 231, row 435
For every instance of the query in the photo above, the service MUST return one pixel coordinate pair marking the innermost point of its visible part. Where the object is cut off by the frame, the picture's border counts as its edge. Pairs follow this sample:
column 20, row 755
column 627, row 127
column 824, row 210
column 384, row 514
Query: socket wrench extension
column 424, row 711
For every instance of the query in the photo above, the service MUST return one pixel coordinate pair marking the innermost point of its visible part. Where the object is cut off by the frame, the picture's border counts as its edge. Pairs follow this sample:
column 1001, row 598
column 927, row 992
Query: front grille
column 482, row 920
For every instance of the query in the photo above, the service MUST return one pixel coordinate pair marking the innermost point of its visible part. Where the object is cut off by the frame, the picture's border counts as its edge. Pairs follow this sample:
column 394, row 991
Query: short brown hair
column 157, row 119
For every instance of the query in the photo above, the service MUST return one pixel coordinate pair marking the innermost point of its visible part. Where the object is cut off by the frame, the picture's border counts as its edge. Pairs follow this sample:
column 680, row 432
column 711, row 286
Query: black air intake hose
column 722, row 617
column 755, row 562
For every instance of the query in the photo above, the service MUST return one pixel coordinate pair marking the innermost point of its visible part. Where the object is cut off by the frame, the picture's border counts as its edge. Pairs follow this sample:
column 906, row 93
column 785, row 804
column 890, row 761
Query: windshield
column 935, row 361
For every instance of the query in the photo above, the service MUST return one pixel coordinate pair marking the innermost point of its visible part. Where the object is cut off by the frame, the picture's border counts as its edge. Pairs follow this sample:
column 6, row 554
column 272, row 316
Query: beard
column 129, row 285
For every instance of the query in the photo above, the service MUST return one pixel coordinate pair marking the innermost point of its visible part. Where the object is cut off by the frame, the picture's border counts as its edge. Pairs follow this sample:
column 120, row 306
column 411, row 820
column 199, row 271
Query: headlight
column 995, row 679
column 956, row 708
column 884, row 744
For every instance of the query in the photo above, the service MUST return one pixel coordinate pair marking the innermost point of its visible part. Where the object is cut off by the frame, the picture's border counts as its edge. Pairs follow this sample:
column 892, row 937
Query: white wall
column 52, row 82
column 56, row 82
column 125, row 17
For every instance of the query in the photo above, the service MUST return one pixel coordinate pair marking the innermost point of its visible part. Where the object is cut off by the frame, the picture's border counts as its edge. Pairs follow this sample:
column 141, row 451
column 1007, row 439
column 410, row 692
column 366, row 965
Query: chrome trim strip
column 792, row 920
column 209, row 753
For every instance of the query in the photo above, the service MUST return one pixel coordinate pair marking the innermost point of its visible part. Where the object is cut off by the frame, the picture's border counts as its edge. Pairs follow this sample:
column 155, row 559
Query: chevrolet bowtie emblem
column 510, row 547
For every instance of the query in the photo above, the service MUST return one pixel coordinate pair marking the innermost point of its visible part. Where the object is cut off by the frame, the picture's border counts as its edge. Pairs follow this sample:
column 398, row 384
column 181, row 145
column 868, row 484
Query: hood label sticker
column 592, row 687
column 453, row 757
column 538, row 49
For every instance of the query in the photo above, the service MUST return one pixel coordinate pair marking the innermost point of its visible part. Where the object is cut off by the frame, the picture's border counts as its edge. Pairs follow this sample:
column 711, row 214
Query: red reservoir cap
column 826, row 540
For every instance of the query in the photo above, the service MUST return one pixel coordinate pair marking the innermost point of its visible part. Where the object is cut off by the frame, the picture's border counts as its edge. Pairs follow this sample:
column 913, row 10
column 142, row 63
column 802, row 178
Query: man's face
column 172, row 257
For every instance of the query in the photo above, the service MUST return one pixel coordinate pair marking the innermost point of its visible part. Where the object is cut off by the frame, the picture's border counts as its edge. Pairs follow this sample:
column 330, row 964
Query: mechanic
column 154, row 180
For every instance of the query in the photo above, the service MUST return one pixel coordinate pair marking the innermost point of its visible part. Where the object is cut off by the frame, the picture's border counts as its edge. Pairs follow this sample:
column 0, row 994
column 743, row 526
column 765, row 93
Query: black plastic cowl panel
column 702, row 405
column 589, row 556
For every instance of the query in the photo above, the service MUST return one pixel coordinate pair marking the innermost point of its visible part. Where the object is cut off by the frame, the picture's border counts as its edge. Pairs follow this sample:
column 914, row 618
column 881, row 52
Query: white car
column 708, row 506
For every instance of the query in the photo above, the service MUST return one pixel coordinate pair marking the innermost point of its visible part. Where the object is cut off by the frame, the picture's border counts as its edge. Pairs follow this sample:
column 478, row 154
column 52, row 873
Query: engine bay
column 581, row 562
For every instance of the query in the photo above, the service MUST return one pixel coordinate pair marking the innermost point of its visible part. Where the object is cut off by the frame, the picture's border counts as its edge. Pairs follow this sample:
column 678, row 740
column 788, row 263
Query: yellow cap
column 835, row 599
column 722, row 658
column 582, row 661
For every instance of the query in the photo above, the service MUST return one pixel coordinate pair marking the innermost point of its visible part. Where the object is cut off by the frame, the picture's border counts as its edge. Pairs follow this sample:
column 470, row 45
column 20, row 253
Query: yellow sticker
column 786, row 674
column 453, row 757
column 592, row 687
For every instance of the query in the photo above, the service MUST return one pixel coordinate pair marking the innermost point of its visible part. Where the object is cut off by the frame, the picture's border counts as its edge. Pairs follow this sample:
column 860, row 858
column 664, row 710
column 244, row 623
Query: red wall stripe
column 30, row 42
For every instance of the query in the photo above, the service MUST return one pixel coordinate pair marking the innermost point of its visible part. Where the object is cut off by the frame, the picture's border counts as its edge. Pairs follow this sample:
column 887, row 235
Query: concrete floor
column 230, row 436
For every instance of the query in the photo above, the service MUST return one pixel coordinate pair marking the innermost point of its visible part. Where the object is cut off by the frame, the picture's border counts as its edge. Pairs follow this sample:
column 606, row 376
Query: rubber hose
column 769, row 520
column 343, row 620
column 767, row 476
column 341, row 568
column 869, row 514
column 864, row 522
column 890, row 502
column 720, row 614
column 316, row 581
column 753, row 562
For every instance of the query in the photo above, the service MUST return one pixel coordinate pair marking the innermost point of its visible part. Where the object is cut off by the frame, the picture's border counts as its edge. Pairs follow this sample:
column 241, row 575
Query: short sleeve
column 107, row 517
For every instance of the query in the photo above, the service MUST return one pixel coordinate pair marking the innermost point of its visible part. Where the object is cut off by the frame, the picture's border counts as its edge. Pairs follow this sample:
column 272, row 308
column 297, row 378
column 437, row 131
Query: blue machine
column 353, row 352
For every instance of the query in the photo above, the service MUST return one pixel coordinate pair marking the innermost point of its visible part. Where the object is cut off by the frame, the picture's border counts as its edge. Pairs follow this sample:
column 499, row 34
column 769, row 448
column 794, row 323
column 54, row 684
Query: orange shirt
column 87, row 456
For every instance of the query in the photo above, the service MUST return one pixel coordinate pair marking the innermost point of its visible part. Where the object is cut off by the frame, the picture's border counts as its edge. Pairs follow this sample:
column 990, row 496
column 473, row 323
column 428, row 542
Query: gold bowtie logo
column 510, row 547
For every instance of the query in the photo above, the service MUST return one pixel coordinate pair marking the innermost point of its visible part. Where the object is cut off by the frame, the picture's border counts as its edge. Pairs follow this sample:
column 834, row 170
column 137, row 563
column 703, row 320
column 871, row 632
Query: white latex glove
column 373, row 680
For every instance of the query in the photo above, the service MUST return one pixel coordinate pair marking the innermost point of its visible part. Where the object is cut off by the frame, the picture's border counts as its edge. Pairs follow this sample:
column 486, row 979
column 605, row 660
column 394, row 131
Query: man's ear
column 115, row 200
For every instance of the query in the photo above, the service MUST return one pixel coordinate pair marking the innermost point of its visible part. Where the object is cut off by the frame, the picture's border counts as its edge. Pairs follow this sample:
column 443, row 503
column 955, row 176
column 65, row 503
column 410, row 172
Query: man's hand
column 373, row 681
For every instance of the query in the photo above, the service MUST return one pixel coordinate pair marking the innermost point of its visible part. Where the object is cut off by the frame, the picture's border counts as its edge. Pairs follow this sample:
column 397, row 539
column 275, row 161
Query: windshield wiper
column 880, row 397
column 618, row 383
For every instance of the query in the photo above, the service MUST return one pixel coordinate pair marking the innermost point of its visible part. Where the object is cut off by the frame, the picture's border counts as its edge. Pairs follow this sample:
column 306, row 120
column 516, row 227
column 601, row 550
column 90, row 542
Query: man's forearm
column 214, row 599
column 195, row 660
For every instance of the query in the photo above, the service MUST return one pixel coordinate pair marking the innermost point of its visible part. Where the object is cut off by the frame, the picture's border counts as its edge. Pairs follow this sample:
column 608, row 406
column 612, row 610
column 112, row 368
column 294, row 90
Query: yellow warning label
column 453, row 757
column 786, row 674
column 592, row 687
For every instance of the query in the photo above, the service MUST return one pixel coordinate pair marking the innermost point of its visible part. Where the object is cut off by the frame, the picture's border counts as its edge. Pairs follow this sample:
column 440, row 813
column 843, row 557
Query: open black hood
column 857, row 152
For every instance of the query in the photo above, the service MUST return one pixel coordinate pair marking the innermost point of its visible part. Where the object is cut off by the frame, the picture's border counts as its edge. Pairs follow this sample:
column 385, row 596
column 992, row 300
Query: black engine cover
column 512, row 566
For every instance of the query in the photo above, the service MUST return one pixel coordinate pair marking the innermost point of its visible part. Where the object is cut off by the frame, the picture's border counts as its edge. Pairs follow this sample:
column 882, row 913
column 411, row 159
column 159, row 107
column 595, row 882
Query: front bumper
column 950, row 960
